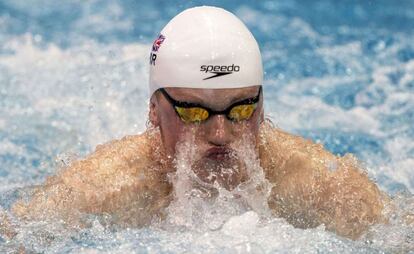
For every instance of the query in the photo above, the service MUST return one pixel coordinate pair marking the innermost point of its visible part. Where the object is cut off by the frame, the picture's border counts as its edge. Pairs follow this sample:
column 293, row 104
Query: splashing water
column 207, row 206
column 74, row 75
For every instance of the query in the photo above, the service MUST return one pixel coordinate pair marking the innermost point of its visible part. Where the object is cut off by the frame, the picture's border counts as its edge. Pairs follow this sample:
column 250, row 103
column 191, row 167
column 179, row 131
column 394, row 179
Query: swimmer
column 206, row 82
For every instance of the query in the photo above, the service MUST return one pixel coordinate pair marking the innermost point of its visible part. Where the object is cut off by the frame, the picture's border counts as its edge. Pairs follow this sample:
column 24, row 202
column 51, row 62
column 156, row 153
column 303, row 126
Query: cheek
column 257, row 120
column 171, row 128
column 250, row 127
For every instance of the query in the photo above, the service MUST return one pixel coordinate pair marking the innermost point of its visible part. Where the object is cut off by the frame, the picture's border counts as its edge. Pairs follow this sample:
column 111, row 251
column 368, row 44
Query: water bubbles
column 332, row 165
column 37, row 38
column 241, row 224
column 85, row 79
column 280, row 76
column 377, row 45
column 72, row 75
column 405, row 54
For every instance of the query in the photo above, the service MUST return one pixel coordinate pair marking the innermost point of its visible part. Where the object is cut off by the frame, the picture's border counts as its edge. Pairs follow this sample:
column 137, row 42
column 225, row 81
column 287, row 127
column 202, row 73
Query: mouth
column 219, row 153
column 220, row 164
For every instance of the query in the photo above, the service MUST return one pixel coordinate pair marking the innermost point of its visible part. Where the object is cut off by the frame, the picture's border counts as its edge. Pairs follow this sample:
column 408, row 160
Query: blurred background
column 73, row 74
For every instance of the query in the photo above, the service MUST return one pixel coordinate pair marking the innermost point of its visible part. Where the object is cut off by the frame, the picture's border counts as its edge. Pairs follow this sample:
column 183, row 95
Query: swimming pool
column 73, row 75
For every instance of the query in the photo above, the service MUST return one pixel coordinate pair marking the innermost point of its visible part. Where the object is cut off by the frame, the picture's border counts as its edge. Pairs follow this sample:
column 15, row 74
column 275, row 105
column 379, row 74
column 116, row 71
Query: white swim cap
column 205, row 47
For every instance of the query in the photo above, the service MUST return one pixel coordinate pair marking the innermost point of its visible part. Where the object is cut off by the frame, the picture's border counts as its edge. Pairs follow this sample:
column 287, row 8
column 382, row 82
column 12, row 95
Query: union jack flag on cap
column 157, row 43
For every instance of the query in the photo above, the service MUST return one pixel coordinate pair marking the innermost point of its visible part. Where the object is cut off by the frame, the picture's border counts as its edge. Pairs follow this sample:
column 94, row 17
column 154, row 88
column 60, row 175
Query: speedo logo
column 219, row 70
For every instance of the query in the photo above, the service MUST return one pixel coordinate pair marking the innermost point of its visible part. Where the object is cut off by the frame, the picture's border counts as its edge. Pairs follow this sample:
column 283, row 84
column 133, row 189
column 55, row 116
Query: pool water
column 73, row 74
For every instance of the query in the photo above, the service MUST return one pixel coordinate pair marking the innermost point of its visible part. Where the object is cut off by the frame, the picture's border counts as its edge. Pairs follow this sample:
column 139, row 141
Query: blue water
column 73, row 74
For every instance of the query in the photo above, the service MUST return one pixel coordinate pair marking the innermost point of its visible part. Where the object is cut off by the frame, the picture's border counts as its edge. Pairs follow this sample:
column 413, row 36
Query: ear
column 153, row 111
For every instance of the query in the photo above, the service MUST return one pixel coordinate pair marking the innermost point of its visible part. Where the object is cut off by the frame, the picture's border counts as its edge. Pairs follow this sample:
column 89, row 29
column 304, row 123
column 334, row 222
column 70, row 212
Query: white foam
column 58, row 100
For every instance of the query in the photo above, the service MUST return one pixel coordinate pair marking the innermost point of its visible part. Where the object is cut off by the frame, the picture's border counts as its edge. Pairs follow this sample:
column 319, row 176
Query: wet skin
column 213, row 137
column 127, row 178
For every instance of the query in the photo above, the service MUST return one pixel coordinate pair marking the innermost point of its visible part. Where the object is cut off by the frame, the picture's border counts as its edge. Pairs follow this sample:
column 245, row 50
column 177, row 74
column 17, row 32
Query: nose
column 219, row 131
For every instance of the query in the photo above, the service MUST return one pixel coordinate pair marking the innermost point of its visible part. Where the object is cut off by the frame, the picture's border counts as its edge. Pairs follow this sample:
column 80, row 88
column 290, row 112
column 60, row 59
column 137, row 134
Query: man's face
column 215, row 137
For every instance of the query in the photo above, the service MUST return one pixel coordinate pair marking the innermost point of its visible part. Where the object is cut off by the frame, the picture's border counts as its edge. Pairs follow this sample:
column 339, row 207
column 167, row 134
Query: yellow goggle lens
column 190, row 115
column 242, row 112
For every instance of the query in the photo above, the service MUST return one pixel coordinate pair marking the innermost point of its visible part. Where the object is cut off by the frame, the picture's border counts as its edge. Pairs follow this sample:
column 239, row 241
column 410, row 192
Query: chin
column 225, row 170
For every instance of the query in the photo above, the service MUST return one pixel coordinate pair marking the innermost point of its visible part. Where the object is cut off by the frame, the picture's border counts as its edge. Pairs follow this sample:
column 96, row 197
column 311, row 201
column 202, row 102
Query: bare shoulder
column 280, row 139
column 119, row 176
column 111, row 163
column 280, row 150
column 292, row 153
column 313, row 186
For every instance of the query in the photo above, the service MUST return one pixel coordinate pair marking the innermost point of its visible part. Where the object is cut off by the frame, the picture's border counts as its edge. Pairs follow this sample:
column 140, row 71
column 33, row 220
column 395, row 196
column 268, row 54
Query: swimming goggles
column 196, row 113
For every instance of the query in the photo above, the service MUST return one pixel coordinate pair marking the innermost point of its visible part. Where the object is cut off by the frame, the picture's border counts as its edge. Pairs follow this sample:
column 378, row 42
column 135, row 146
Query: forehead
column 216, row 98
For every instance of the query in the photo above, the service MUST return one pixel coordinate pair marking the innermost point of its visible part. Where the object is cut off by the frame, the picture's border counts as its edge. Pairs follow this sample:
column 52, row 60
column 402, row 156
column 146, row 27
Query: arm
column 313, row 187
column 7, row 229
column 117, row 179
